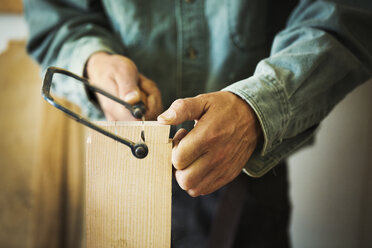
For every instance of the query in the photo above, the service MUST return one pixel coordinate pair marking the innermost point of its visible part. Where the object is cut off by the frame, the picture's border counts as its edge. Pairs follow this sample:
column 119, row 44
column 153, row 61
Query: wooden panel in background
column 20, row 111
column 13, row 6
column 128, row 200
column 41, row 161
column 59, row 180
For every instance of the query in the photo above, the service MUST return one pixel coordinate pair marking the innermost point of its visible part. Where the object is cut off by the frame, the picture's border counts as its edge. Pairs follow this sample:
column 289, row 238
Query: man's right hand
column 119, row 76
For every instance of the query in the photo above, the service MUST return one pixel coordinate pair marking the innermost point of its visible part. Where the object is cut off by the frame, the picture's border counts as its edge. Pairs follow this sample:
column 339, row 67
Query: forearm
column 66, row 35
column 315, row 62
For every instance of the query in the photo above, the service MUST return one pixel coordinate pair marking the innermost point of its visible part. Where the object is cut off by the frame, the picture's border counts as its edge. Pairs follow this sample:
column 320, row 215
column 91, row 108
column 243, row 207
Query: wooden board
column 13, row 6
column 41, row 161
column 128, row 200
column 59, row 180
column 20, row 105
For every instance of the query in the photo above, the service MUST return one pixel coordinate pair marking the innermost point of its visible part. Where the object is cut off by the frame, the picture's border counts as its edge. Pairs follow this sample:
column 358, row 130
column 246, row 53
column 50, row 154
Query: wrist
column 255, row 132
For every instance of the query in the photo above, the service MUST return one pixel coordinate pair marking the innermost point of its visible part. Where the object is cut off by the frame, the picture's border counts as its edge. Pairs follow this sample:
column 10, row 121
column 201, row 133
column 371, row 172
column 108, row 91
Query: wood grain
column 59, row 186
column 128, row 200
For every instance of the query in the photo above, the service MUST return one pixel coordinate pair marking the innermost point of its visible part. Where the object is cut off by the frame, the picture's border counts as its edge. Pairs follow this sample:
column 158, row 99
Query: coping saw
column 138, row 110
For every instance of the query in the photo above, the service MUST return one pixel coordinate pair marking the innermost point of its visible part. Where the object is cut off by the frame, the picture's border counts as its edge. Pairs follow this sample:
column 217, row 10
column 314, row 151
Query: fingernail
column 131, row 96
column 168, row 115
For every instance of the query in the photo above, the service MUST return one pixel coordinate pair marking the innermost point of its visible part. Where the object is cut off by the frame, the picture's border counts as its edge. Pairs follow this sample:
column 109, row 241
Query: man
column 270, row 72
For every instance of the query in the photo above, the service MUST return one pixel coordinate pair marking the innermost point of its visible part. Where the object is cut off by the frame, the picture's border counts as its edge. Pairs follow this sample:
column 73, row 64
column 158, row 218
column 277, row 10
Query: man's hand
column 215, row 151
column 119, row 76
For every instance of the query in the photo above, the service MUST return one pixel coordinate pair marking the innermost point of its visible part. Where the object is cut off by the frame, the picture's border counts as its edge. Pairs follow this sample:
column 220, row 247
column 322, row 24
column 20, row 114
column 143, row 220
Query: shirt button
column 191, row 53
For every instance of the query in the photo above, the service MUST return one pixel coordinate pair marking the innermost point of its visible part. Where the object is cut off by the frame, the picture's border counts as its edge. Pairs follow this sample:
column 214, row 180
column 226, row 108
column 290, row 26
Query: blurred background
column 331, row 182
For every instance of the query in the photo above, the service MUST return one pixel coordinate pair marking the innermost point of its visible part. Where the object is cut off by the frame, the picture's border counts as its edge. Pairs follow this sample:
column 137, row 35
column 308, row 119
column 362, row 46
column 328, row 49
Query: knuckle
column 130, row 63
column 124, row 61
column 179, row 104
column 153, row 90
column 177, row 161
column 151, row 83
column 202, row 98
column 184, row 181
column 193, row 192
column 185, row 107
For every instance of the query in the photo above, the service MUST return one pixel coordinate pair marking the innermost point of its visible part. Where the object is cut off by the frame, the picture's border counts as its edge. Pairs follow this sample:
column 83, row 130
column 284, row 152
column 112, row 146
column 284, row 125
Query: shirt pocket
column 247, row 22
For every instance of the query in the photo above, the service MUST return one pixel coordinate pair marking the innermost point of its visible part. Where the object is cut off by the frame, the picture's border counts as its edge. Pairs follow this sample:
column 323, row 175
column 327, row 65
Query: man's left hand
column 215, row 151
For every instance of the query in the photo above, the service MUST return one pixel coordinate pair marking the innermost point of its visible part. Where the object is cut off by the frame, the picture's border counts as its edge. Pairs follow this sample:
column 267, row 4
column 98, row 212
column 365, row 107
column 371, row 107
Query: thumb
column 133, row 96
column 183, row 110
column 128, row 86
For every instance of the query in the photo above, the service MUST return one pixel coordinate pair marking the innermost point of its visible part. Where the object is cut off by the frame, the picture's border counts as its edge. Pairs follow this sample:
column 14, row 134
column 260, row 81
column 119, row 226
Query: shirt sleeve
column 65, row 34
column 324, row 52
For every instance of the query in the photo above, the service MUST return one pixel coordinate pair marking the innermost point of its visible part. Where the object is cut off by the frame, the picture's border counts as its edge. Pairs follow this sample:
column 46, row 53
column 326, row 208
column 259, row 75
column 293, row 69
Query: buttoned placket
column 191, row 45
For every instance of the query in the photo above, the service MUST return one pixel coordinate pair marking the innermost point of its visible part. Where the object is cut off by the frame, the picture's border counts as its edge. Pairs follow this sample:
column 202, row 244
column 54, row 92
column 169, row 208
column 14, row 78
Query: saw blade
column 143, row 130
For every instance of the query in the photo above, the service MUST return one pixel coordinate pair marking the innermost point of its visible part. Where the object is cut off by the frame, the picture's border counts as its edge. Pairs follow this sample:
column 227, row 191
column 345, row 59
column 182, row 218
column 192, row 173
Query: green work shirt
column 291, row 62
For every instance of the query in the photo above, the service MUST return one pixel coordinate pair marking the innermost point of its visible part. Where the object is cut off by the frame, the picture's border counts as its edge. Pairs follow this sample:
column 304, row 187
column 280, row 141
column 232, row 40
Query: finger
column 151, row 108
column 209, row 185
column 194, row 174
column 182, row 110
column 143, row 97
column 154, row 104
column 213, row 180
column 148, row 86
column 134, row 96
column 181, row 133
column 128, row 89
column 122, row 114
column 189, row 148
column 221, row 175
column 112, row 110
column 117, row 111
column 155, row 107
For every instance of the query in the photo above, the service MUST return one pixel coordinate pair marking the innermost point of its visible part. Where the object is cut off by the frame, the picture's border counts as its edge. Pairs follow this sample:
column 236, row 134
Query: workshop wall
column 332, row 181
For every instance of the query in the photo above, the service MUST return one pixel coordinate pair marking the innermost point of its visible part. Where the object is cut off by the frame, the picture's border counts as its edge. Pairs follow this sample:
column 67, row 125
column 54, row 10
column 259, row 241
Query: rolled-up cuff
column 267, row 98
